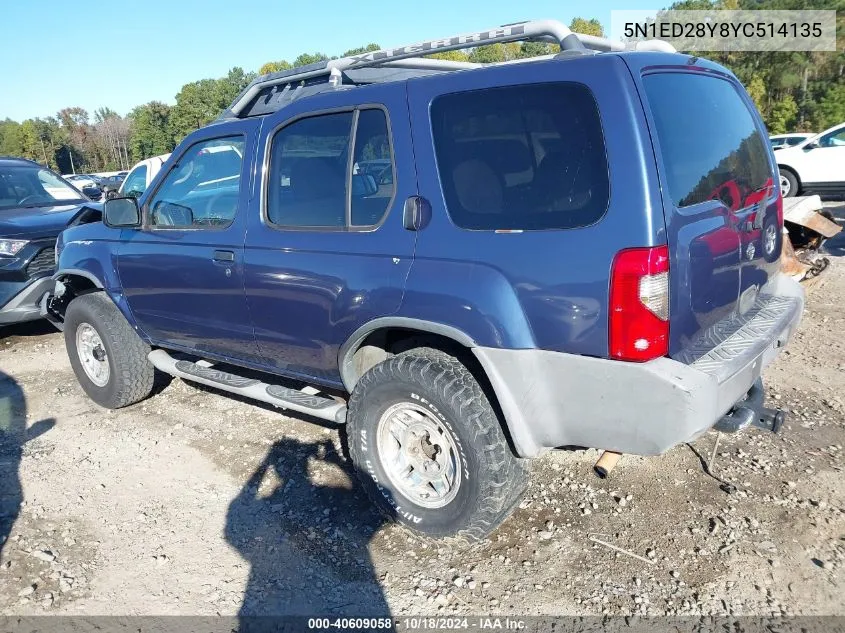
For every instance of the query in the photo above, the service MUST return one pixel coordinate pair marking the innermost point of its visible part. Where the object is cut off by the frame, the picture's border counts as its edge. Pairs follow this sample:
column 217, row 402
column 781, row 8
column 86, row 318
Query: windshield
column 33, row 186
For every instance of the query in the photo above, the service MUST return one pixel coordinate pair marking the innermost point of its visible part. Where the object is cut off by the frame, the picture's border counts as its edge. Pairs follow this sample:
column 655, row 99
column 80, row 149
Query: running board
column 277, row 395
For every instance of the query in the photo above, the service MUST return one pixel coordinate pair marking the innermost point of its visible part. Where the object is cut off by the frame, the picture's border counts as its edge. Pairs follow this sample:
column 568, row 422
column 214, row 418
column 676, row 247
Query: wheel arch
column 381, row 338
column 357, row 354
column 79, row 282
column 79, row 278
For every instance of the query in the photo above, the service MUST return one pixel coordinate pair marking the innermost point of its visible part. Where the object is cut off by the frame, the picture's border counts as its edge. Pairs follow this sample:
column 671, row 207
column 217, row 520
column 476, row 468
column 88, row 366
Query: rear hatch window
column 708, row 139
column 719, row 202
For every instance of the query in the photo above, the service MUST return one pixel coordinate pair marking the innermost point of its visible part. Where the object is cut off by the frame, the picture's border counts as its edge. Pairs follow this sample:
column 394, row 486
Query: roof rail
column 411, row 56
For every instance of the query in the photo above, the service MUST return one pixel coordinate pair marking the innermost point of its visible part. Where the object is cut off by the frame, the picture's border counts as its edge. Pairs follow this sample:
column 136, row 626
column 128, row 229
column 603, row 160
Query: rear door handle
column 224, row 256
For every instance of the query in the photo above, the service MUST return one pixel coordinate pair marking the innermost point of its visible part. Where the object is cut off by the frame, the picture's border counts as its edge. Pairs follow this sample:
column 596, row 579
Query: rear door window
column 312, row 182
column 527, row 157
column 711, row 146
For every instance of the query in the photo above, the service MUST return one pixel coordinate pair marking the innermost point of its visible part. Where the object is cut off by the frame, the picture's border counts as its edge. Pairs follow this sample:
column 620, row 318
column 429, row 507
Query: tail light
column 639, row 304
column 779, row 206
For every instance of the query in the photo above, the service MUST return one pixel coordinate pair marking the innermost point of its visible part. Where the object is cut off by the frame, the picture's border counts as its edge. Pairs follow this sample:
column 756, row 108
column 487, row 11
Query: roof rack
column 286, row 85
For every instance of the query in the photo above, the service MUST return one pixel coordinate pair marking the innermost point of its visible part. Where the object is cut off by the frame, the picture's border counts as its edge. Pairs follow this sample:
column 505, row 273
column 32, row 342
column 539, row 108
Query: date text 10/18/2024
column 418, row 624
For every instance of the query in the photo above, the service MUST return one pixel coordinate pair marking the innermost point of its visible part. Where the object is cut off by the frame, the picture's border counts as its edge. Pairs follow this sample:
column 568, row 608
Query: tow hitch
column 751, row 412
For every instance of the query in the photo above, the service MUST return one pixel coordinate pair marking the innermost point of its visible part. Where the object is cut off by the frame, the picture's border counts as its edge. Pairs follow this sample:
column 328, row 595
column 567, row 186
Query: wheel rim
column 770, row 238
column 419, row 454
column 785, row 185
column 92, row 355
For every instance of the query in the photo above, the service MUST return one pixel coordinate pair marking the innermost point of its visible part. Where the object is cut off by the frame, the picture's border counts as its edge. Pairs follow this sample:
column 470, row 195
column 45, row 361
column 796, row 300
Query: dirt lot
column 194, row 503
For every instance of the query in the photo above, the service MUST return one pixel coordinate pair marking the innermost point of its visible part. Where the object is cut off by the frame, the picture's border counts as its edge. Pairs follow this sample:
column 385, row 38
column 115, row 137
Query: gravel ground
column 194, row 503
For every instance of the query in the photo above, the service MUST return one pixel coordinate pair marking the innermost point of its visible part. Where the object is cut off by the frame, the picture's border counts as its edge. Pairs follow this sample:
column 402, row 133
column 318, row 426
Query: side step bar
column 277, row 395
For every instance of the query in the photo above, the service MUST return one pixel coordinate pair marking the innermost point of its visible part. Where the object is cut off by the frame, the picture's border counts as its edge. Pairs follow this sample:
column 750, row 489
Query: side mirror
column 813, row 145
column 363, row 185
column 121, row 213
column 173, row 215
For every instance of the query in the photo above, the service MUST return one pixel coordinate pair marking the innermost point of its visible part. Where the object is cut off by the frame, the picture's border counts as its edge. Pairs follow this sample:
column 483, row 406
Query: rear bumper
column 24, row 305
column 551, row 399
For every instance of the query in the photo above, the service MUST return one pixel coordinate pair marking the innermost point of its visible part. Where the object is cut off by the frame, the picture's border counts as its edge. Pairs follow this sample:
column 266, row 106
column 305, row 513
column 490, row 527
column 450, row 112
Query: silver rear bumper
column 552, row 399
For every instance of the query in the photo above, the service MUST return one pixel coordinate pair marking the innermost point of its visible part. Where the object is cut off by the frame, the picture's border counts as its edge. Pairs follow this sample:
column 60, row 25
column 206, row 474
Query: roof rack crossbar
column 412, row 56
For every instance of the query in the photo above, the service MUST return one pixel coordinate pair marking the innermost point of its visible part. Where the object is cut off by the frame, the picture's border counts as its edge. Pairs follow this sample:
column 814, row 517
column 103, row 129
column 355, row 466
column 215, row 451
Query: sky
column 56, row 54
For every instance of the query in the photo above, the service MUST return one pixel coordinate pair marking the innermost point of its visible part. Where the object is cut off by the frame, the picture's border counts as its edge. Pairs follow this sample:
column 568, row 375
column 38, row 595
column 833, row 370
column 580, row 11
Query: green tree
column 492, row 53
column 452, row 56
column 757, row 91
column 783, row 114
column 831, row 109
column 587, row 27
column 10, row 138
column 274, row 67
column 196, row 105
column 310, row 58
column 200, row 102
column 151, row 131
column 369, row 48
column 536, row 49
column 30, row 145
column 50, row 138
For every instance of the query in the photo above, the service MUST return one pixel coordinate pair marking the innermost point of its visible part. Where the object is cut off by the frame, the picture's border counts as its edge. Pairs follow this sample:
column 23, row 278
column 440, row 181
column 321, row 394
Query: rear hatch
column 722, row 209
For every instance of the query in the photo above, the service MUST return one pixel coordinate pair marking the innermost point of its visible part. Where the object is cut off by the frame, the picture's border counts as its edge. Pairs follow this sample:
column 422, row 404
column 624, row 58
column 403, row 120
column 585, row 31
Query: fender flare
column 116, row 296
column 348, row 349
column 79, row 273
column 514, row 422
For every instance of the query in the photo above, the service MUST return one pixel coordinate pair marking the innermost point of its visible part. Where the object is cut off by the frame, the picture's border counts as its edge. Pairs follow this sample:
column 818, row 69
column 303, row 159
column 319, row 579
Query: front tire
column 107, row 356
column 788, row 183
column 429, row 448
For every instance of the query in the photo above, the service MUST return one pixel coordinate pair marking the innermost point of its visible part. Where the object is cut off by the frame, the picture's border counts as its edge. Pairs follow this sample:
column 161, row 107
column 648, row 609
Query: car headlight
column 10, row 248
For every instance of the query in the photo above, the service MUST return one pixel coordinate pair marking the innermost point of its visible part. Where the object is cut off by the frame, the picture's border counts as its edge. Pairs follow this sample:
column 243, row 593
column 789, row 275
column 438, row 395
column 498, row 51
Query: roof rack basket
column 333, row 73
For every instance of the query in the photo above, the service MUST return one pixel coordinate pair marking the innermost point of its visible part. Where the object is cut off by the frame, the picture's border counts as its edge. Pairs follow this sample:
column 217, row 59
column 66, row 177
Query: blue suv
column 36, row 204
column 465, row 265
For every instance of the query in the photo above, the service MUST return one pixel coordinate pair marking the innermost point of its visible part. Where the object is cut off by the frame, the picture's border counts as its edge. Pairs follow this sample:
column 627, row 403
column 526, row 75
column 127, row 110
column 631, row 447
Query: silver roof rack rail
column 411, row 56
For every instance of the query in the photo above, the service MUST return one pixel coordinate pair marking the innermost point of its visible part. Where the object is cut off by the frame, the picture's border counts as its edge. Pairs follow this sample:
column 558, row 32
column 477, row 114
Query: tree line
column 794, row 92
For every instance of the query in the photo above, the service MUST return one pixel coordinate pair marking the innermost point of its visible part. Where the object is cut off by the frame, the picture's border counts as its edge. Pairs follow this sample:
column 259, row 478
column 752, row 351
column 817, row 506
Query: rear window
column 711, row 147
column 526, row 157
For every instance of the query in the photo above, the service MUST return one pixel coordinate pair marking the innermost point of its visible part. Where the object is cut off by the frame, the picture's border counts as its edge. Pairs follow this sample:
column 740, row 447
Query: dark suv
column 36, row 204
column 580, row 250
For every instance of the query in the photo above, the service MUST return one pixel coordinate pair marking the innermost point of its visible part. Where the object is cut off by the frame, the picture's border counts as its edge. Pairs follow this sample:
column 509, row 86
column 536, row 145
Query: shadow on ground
column 304, row 525
column 13, row 435
column 28, row 329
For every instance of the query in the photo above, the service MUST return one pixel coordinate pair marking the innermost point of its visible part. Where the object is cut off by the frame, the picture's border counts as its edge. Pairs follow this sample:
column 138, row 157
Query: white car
column 141, row 175
column 80, row 180
column 780, row 141
column 816, row 165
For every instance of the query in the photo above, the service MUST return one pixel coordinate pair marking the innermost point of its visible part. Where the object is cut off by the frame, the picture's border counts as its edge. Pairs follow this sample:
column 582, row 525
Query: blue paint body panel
column 292, row 298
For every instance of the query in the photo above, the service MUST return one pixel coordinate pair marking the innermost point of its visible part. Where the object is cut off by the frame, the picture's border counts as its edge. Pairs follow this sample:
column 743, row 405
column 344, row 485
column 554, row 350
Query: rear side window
column 711, row 147
column 312, row 182
column 528, row 157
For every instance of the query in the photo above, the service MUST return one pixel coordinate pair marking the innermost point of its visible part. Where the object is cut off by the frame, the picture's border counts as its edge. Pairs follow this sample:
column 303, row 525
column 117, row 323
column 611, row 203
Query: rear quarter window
column 710, row 145
column 527, row 157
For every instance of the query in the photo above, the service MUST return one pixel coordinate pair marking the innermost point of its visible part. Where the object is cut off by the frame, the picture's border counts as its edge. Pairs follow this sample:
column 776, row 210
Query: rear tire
column 107, row 356
column 420, row 420
column 788, row 183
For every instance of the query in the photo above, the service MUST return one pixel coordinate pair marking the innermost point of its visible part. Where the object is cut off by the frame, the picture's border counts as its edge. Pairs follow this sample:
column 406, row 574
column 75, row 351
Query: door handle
column 226, row 257
column 416, row 213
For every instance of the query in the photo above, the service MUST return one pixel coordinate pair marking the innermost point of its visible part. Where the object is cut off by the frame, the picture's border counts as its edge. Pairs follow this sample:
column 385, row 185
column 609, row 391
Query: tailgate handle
column 224, row 256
